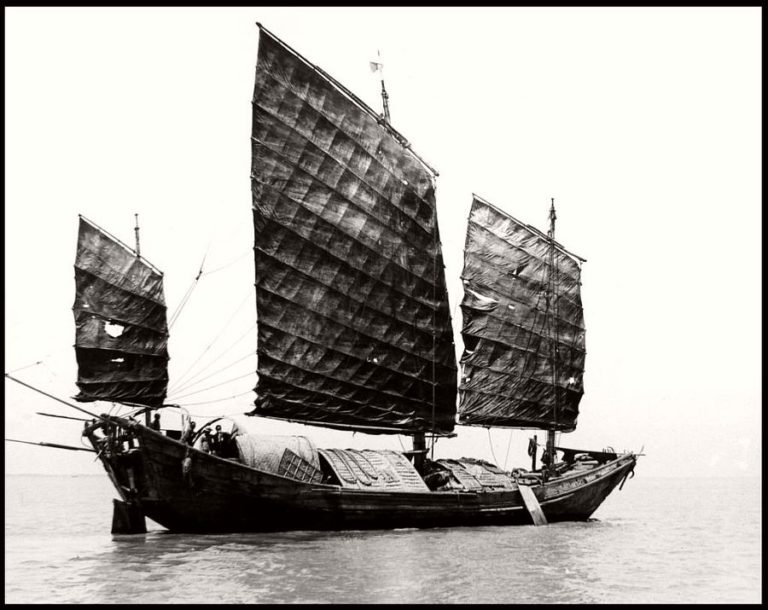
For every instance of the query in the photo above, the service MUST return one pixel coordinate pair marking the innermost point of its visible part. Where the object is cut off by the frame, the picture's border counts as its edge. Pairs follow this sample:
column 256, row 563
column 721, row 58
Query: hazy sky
column 643, row 124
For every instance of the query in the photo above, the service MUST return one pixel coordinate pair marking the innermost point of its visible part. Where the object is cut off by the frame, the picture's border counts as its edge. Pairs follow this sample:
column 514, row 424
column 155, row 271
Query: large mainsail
column 121, row 334
column 510, row 369
column 353, row 317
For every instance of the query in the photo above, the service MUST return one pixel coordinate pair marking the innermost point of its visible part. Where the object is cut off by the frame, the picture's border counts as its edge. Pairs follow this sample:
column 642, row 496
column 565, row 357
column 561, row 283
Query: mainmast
column 419, row 438
column 136, row 231
column 377, row 66
column 552, row 319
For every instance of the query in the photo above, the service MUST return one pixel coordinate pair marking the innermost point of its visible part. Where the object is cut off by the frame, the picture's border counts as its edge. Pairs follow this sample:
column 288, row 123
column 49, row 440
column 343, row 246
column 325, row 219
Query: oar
column 55, row 445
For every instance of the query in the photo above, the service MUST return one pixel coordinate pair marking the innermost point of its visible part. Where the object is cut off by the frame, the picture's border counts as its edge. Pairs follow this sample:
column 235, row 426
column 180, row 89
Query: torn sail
column 121, row 335
column 508, row 372
column 353, row 317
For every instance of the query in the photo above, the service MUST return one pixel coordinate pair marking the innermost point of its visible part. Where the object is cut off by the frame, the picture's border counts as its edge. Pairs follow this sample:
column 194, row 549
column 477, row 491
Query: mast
column 136, row 231
column 147, row 419
column 419, row 438
column 552, row 319
column 379, row 67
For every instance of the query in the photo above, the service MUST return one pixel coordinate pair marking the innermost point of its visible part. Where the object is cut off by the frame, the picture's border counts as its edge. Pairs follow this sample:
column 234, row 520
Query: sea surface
column 658, row 540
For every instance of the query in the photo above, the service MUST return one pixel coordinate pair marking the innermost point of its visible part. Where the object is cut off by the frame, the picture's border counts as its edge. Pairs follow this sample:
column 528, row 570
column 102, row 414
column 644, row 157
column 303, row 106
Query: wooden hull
column 211, row 494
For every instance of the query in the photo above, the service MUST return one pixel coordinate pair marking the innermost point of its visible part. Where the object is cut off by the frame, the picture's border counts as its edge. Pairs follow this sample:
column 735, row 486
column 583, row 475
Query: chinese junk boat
column 354, row 333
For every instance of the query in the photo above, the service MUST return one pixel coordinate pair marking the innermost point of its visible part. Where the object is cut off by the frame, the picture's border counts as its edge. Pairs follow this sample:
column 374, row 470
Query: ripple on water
column 638, row 549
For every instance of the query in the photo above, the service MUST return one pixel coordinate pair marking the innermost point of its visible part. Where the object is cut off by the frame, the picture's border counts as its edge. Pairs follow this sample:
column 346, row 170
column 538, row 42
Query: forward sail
column 523, row 363
column 121, row 334
column 354, row 326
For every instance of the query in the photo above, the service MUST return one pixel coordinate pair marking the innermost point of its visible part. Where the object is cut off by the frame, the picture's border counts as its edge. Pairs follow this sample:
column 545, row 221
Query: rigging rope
column 195, row 379
column 185, row 298
column 192, row 384
column 178, row 382
column 207, row 402
column 213, row 386
column 21, row 368
column 495, row 461
column 229, row 264
column 509, row 444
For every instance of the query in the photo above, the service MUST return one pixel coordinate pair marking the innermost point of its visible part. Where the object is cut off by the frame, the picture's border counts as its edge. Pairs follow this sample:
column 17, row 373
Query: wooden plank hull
column 186, row 490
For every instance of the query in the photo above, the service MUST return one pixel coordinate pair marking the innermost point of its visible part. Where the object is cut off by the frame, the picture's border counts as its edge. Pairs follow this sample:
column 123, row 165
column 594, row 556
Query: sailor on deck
column 155, row 425
column 189, row 434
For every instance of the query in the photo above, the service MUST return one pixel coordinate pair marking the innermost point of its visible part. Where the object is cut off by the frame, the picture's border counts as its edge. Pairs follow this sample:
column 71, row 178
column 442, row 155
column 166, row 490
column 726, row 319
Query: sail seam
column 309, row 139
column 350, row 297
column 329, row 253
column 515, row 423
column 119, row 242
column 339, row 425
column 360, row 409
column 575, row 279
column 515, row 386
column 346, row 382
column 369, row 153
column 140, row 295
column 379, row 196
column 475, row 265
column 447, row 368
column 520, row 327
column 119, row 350
column 396, row 135
column 135, row 287
column 127, row 323
column 533, row 231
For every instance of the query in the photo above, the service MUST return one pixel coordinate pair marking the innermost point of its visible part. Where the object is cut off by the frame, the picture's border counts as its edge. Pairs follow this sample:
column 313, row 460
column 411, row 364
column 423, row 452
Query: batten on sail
column 121, row 335
column 353, row 316
column 508, row 375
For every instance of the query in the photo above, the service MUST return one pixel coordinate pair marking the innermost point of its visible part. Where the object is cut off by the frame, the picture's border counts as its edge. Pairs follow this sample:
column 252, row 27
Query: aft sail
column 523, row 363
column 121, row 333
column 354, row 327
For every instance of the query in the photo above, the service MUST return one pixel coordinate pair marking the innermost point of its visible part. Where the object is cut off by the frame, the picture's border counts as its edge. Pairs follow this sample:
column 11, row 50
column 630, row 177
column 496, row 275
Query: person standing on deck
column 155, row 425
column 189, row 435
column 205, row 441
column 216, row 442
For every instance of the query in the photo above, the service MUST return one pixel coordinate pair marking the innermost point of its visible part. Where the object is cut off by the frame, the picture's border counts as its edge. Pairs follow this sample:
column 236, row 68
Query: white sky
column 644, row 124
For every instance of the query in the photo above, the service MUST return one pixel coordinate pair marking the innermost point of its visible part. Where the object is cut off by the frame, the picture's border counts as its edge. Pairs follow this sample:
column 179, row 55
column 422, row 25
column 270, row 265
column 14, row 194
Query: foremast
column 147, row 418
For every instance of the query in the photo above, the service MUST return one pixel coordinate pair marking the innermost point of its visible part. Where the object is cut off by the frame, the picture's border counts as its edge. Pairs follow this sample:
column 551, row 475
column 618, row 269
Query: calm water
column 657, row 540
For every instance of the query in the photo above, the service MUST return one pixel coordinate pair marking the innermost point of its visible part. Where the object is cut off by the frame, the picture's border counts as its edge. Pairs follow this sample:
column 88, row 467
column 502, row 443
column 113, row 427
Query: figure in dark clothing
column 221, row 443
column 189, row 434
column 546, row 459
column 205, row 441
column 216, row 439
column 155, row 425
